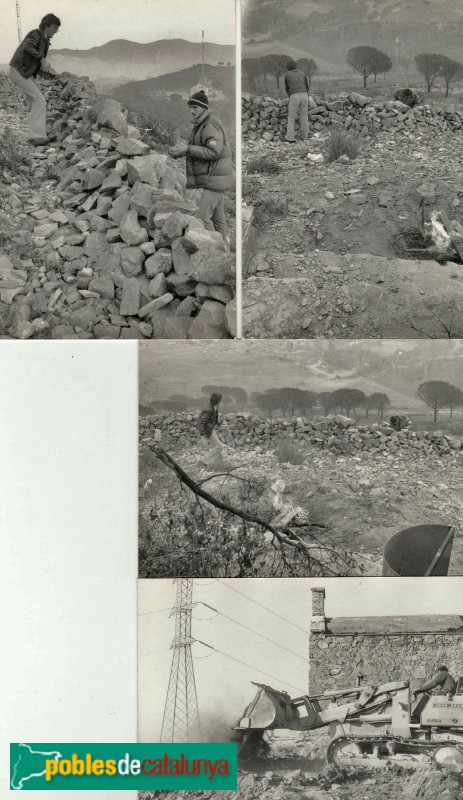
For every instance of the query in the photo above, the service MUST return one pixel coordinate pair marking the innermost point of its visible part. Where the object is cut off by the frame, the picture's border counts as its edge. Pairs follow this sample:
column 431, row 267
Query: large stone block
column 109, row 113
column 147, row 169
column 210, row 322
column 131, row 232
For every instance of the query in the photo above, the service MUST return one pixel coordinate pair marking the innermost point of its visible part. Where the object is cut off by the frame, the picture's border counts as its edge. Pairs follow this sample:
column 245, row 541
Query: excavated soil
column 294, row 769
column 332, row 264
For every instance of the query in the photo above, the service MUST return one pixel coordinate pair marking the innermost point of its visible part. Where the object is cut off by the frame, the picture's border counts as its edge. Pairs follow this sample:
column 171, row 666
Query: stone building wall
column 344, row 652
column 337, row 661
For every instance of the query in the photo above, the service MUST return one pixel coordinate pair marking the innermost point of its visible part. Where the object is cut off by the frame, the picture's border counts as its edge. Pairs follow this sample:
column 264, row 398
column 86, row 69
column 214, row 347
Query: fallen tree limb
column 285, row 536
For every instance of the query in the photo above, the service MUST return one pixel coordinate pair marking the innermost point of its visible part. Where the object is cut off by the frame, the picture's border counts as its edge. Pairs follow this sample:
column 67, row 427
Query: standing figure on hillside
column 206, row 425
column 209, row 163
column 29, row 59
column 297, row 89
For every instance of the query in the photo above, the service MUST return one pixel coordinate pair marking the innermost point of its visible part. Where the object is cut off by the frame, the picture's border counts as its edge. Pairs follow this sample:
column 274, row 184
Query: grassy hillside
column 326, row 30
column 161, row 97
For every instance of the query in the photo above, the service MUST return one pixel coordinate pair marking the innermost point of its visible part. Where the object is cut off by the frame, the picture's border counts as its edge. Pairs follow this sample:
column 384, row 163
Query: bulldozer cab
column 441, row 710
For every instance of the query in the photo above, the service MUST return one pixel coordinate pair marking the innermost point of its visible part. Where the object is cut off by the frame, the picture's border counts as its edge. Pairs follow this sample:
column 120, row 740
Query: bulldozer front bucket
column 272, row 709
column 267, row 710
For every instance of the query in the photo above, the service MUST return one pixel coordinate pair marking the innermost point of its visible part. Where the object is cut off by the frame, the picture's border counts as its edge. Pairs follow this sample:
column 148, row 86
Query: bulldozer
column 369, row 726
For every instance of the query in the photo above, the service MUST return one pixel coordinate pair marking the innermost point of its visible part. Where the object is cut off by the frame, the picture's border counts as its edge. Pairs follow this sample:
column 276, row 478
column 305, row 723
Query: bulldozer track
column 404, row 747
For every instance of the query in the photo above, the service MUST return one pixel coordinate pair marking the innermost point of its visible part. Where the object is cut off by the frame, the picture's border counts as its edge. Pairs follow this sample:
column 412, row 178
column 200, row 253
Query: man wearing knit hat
column 208, row 163
column 297, row 88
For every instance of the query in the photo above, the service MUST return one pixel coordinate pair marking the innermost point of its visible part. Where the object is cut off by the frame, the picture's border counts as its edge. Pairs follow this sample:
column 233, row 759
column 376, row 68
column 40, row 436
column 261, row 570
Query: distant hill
column 152, row 95
column 326, row 30
column 121, row 60
column 221, row 79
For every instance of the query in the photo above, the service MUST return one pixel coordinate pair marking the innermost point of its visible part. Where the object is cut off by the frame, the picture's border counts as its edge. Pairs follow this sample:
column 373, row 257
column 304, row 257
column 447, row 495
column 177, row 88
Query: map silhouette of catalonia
column 28, row 764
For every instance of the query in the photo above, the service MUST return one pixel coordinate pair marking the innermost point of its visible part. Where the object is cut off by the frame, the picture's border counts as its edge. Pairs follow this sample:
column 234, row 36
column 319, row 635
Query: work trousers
column 212, row 211
column 298, row 105
column 37, row 116
column 214, row 446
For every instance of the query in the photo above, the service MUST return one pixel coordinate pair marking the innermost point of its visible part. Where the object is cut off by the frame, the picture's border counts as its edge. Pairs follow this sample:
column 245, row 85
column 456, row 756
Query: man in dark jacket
column 29, row 59
column 297, row 88
column 209, row 163
column 442, row 681
column 206, row 425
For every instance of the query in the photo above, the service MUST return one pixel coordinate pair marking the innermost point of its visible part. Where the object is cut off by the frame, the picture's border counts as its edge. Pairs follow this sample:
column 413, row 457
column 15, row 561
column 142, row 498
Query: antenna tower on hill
column 18, row 17
column 202, row 54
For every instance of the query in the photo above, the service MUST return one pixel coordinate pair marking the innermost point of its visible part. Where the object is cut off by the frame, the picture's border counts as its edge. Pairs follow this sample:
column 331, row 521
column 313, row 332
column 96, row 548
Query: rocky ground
column 294, row 769
column 361, row 500
column 98, row 236
column 329, row 257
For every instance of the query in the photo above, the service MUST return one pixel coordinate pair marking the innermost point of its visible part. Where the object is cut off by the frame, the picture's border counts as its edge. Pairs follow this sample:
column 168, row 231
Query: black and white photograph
column 117, row 170
column 333, row 690
column 301, row 458
column 352, row 140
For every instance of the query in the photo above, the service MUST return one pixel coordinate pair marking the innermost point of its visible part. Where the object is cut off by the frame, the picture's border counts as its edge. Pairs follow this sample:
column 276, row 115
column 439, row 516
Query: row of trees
column 370, row 61
column 274, row 65
column 364, row 60
column 436, row 395
column 303, row 401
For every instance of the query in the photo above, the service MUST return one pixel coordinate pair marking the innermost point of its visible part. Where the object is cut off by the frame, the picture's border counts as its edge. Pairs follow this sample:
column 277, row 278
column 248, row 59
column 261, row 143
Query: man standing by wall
column 208, row 163
column 297, row 88
column 207, row 423
column 28, row 60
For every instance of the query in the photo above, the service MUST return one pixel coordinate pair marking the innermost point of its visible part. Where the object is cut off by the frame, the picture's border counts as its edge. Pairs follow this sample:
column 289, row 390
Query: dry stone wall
column 337, row 661
column 121, row 251
column 266, row 117
column 336, row 433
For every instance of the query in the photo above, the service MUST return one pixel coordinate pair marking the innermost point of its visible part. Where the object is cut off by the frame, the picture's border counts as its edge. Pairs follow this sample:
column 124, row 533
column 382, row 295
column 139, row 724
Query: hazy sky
column 88, row 23
column 224, row 686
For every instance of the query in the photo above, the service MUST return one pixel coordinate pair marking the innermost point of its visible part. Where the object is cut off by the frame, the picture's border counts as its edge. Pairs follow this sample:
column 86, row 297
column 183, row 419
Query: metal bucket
column 418, row 551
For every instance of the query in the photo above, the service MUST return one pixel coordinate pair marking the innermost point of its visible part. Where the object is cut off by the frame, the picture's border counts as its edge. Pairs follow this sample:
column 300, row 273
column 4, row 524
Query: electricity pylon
column 180, row 722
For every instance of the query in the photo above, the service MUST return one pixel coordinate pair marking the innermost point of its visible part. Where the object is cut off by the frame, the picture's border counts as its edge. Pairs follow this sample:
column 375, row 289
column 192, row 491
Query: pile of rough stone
column 116, row 248
column 336, row 433
column 266, row 117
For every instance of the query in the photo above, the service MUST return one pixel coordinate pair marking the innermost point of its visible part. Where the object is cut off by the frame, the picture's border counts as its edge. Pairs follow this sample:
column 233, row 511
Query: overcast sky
column 88, row 23
column 224, row 686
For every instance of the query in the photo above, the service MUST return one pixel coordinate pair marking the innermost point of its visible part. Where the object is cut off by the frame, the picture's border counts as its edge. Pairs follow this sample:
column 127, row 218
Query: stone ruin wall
column 335, row 433
column 266, row 117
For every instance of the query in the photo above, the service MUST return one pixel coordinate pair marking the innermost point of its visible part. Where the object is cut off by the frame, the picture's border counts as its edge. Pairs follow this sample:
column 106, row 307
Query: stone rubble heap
column 266, row 117
column 336, row 433
column 120, row 251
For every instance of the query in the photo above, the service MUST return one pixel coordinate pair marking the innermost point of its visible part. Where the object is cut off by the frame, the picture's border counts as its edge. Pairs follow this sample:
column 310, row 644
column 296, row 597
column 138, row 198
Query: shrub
column 340, row 144
column 287, row 452
column 267, row 207
column 263, row 165
column 268, row 210
column 154, row 130
column 13, row 156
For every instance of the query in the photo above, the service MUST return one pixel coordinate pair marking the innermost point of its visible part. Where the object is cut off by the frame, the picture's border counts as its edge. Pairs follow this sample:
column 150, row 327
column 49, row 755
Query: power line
column 262, row 606
column 244, row 664
column 158, row 611
column 256, row 633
